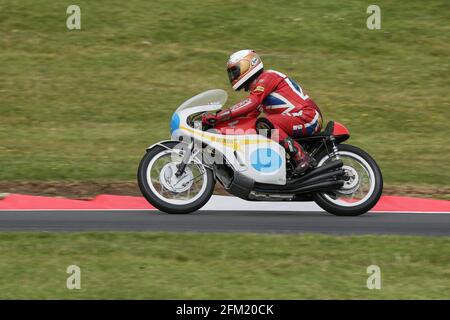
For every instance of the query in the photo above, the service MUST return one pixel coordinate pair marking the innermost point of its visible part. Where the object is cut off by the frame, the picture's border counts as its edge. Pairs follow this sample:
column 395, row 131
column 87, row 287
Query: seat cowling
column 332, row 128
column 327, row 132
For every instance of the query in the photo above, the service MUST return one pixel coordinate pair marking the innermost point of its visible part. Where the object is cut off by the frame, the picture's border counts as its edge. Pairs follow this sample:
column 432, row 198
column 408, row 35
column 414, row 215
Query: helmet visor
column 234, row 72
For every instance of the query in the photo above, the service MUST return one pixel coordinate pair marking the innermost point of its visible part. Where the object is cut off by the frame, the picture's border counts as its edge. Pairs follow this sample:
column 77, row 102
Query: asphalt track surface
column 427, row 224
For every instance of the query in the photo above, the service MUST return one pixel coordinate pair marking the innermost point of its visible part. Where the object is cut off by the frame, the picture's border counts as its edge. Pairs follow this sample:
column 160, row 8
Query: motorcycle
column 178, row 176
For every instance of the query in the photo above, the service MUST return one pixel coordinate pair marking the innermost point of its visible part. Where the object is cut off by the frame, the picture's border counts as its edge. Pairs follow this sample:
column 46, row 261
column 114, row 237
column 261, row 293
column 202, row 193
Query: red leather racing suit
column 287, row 107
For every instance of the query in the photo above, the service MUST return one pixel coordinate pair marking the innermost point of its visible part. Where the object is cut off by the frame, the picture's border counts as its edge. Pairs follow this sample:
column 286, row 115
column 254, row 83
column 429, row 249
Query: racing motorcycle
column 179, row 175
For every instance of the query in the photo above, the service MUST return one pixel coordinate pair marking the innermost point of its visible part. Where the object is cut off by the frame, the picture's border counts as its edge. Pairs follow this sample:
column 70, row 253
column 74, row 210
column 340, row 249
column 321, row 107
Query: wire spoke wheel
column 169, row 191
column 359, row 181
column 167, row 186
column 363, row 183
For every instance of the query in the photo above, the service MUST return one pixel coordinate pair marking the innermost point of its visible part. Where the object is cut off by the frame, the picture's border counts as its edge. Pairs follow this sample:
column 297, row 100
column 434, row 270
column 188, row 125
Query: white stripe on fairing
column 247, row 76
column 302, row 96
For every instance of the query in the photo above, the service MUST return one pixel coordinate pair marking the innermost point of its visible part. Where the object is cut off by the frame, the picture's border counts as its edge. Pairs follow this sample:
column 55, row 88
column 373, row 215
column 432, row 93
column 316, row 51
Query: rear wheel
column 363, row 183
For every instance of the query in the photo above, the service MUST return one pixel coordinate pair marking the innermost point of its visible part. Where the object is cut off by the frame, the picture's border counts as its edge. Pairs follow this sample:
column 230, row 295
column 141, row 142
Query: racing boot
column 302, row 159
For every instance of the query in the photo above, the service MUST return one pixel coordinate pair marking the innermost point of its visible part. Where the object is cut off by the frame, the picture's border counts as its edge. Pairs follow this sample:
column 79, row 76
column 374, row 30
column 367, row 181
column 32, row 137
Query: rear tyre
column 362, row 189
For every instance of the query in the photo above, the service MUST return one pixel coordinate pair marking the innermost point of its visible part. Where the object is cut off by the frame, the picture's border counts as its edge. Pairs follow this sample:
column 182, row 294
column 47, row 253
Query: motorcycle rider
column 287, row 108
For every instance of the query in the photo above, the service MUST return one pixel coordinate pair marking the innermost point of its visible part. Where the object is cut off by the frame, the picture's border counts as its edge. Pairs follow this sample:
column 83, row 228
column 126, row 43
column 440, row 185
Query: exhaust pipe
column 320, row 186
column 324, row 177
column 321, row 174
column 319, row 170
column 324, row 181
column 320, row 178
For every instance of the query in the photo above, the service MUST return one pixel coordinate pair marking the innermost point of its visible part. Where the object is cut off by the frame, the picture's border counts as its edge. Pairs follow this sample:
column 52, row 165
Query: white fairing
column 254, row 156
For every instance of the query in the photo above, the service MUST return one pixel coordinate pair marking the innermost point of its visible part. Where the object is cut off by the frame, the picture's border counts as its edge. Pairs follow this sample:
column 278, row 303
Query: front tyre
column 167, row 192
column 363, row 183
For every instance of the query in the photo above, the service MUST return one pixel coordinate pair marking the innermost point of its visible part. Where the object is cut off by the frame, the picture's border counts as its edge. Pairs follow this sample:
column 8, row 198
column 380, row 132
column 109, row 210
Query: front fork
column 186, row 159
column 190, row 153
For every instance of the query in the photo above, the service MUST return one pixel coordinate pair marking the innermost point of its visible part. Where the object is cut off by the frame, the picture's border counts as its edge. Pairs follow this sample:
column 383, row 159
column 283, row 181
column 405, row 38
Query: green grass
column 221, row 266
column 83, row 105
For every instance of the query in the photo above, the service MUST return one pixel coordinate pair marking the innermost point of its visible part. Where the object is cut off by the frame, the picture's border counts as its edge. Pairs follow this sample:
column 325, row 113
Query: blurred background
column 83, row 105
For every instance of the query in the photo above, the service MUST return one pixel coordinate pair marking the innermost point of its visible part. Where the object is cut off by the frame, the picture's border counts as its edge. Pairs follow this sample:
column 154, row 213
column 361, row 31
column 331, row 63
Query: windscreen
column 215, row 96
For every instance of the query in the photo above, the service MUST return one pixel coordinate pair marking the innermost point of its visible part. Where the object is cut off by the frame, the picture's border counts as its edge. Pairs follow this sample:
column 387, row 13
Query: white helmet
column 242, row 66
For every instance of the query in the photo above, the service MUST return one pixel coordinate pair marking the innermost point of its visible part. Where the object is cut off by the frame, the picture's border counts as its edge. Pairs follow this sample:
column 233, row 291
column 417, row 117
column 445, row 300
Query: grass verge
column 221, row 266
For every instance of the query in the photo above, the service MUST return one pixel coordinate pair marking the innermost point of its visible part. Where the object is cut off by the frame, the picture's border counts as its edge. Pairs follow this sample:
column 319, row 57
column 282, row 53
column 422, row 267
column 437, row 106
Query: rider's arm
column 266, row 84
column 239, row 109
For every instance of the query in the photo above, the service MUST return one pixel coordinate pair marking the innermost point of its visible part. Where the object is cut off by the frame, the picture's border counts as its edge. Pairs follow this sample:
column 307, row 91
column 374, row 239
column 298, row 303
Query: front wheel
column 363, row 183
column 168, row 192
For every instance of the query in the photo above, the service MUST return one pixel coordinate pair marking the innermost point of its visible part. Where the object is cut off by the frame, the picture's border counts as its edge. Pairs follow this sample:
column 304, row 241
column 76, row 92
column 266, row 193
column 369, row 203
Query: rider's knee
column 264, row 127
